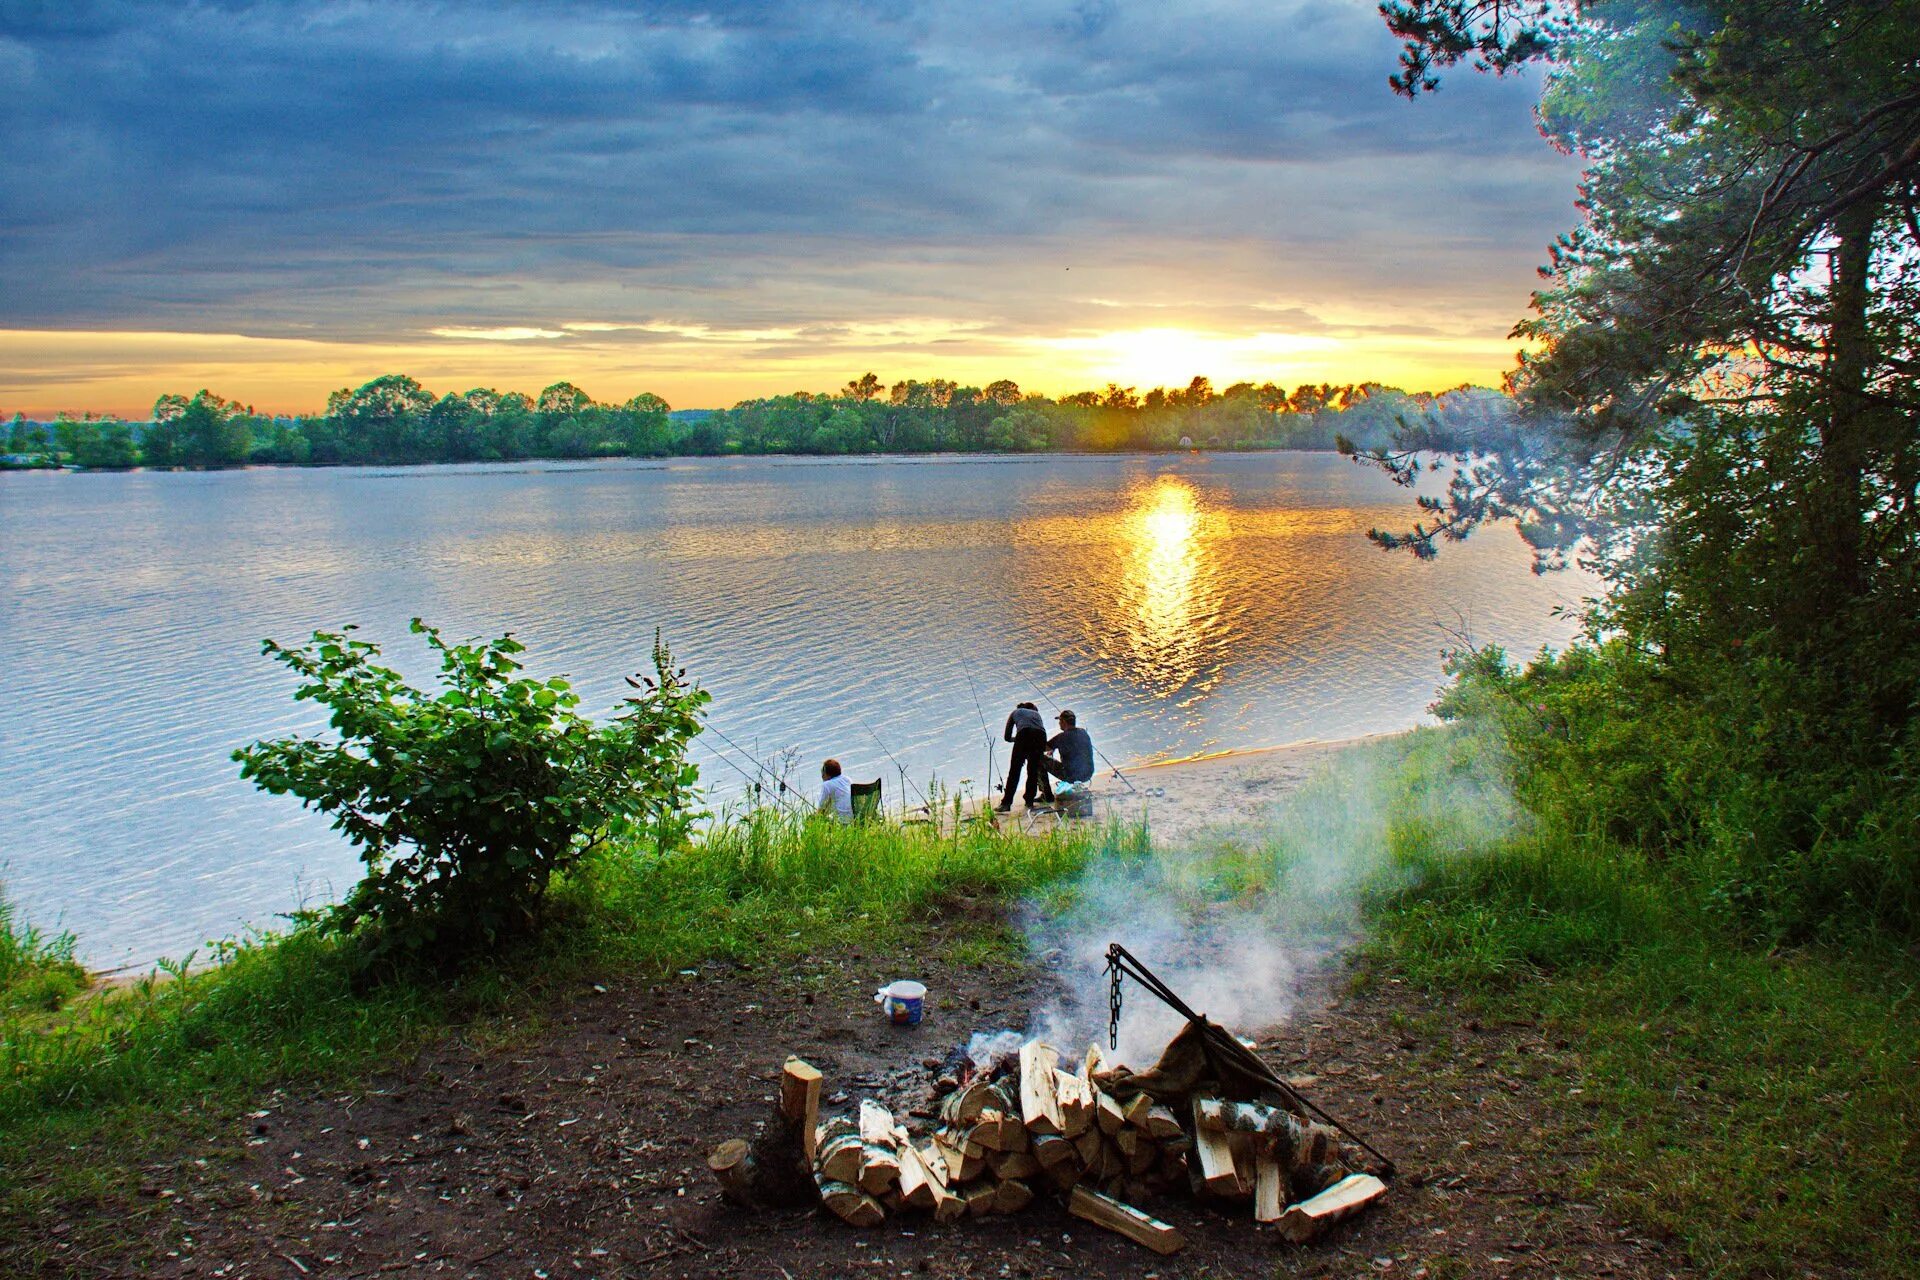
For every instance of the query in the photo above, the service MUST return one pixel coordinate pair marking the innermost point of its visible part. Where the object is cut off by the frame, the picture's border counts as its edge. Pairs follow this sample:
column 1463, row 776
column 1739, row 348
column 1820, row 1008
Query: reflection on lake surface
column 1179, row 604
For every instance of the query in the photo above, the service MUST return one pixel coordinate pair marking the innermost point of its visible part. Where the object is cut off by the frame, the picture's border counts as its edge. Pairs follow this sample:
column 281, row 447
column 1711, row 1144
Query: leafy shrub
column 1784, row 838
column 465, row 802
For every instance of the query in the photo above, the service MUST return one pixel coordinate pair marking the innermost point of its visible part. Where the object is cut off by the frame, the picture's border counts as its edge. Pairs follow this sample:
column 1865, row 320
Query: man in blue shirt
column 1074, row 749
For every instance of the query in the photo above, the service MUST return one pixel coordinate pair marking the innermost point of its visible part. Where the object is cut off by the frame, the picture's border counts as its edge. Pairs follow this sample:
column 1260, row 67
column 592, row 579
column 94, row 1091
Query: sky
column 275, row 199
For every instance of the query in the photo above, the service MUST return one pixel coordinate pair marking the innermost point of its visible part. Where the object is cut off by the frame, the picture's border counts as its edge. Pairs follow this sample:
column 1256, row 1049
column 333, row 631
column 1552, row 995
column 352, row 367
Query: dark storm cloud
column 362, row 168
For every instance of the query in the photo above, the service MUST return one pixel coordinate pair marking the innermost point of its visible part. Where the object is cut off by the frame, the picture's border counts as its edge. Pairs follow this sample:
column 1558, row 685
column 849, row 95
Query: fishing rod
column 779, row 782
column 1097, row 751
column 904, row 783
column 986, row 729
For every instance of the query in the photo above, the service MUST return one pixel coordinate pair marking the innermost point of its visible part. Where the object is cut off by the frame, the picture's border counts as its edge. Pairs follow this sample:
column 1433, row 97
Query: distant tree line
column 393, row 419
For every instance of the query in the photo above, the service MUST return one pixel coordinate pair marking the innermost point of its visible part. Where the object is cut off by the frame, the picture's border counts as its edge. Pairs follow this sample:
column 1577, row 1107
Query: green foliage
column 37, row 973
column 1784, row 841
column 205, row 431
column 1715, row 1083
column 465, row 803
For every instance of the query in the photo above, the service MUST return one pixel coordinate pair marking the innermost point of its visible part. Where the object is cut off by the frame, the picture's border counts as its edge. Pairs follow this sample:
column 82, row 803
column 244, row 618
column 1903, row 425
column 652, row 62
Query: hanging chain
column 1113, row 999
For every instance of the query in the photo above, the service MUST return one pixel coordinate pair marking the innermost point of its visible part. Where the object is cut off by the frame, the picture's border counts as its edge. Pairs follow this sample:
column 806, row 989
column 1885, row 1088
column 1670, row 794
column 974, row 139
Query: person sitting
column 1074, row 749
column 1028, row 734
column 836, row 793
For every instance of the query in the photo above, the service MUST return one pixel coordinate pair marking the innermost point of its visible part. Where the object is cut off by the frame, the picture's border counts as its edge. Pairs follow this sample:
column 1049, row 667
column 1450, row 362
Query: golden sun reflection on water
column 1166, row 611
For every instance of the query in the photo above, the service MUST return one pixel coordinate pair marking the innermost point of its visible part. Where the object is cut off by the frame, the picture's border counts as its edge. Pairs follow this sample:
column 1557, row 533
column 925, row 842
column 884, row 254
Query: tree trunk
column 1839, row 513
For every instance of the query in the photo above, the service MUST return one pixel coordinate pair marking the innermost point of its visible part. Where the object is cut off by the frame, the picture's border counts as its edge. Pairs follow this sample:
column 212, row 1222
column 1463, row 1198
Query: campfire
column 1007, row 1121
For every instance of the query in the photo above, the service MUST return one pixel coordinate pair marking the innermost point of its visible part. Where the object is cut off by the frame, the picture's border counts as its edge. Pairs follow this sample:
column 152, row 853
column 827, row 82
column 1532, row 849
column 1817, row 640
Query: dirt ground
column 576, row 1147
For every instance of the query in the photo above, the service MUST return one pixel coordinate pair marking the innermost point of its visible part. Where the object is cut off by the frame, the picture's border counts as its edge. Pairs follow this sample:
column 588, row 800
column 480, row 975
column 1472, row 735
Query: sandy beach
column 1227, row 788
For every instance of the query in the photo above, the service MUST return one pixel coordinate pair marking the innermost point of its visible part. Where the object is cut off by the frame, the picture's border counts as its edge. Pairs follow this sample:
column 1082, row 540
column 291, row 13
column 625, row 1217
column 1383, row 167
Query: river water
column 1180, row 604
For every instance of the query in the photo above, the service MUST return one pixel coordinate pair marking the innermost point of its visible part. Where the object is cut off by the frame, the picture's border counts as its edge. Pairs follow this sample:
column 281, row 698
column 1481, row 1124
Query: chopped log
column 1095, row 1063
column 800, row 1101
column 1013, row 1164
column 1050, row 1151
column 1142, row 1158
column 964, row 1107
column 1011, row 1196
column 949, row 1206
column 995, row 1131
column 1113, row 1164
column 1129, row 1141
column 964, row 1162
column 1160, row 1123
column 879, row 1169
column 1269, row 1186
column 1065, row 1175
column 1309, row 1180
column 876, row 1122
column 1343, row 1199
column 980, row 1198
column 1174, row 1165
column 916, row 1183
column 837, row 1127
column 1075, row 1098
column 1088, row 1146
column 1141, row 1228
column 735, row 1169
column 1177, row 1143
column 1215, row 1153
column 849, row 1204
column 1107, row 1113
column 1039, row 1108
column 1244, row 1117
column 840, row 1157
column 1138, row 1108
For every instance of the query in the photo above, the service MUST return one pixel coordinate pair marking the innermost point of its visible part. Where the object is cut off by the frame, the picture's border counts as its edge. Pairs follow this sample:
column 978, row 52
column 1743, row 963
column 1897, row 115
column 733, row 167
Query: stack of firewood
column 1002, row 1140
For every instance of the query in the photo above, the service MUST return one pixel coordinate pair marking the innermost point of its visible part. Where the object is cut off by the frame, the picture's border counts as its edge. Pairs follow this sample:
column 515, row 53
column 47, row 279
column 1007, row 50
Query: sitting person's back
column 1075, row 750
column 836, row 792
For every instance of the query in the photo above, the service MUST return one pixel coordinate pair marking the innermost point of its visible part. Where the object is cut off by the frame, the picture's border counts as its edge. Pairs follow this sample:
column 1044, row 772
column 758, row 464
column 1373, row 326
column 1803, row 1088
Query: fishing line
column 904, row 782
column 986, row 730
column 778, row 781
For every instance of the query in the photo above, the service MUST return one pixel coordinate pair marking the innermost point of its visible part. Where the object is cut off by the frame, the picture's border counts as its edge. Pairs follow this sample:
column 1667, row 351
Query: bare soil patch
column 576, row 1147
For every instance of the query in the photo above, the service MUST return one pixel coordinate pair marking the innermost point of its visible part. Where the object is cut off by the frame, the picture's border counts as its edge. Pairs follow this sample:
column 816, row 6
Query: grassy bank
column 94, row 1086
column 1756, row 1105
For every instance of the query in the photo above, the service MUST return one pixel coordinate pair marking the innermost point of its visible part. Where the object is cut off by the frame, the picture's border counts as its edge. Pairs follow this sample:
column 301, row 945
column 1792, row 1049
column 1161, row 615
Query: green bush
column 464, row 803
column 1783, row 839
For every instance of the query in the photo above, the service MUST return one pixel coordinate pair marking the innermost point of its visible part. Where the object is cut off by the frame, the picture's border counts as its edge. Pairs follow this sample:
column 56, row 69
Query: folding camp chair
column 866, row 801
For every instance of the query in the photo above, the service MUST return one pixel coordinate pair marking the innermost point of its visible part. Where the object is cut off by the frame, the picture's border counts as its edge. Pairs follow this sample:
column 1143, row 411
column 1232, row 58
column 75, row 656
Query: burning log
column 1306, row 1220
column 1126, row 1220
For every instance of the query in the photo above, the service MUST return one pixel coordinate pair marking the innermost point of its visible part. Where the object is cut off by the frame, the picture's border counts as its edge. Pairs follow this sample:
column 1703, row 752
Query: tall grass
column 1755, row 1104
column 37, row 973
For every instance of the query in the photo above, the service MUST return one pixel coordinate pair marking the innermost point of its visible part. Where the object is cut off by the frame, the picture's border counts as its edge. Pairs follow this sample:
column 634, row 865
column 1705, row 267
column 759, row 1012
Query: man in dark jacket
column 1074, row 749
column 1028, row 734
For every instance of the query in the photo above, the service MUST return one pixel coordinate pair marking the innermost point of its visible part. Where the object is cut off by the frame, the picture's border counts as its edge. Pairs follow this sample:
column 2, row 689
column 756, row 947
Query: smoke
column 1243, row 922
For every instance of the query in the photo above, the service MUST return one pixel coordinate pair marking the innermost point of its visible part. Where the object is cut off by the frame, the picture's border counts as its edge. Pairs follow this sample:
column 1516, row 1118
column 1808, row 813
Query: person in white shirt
column 836, row 793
